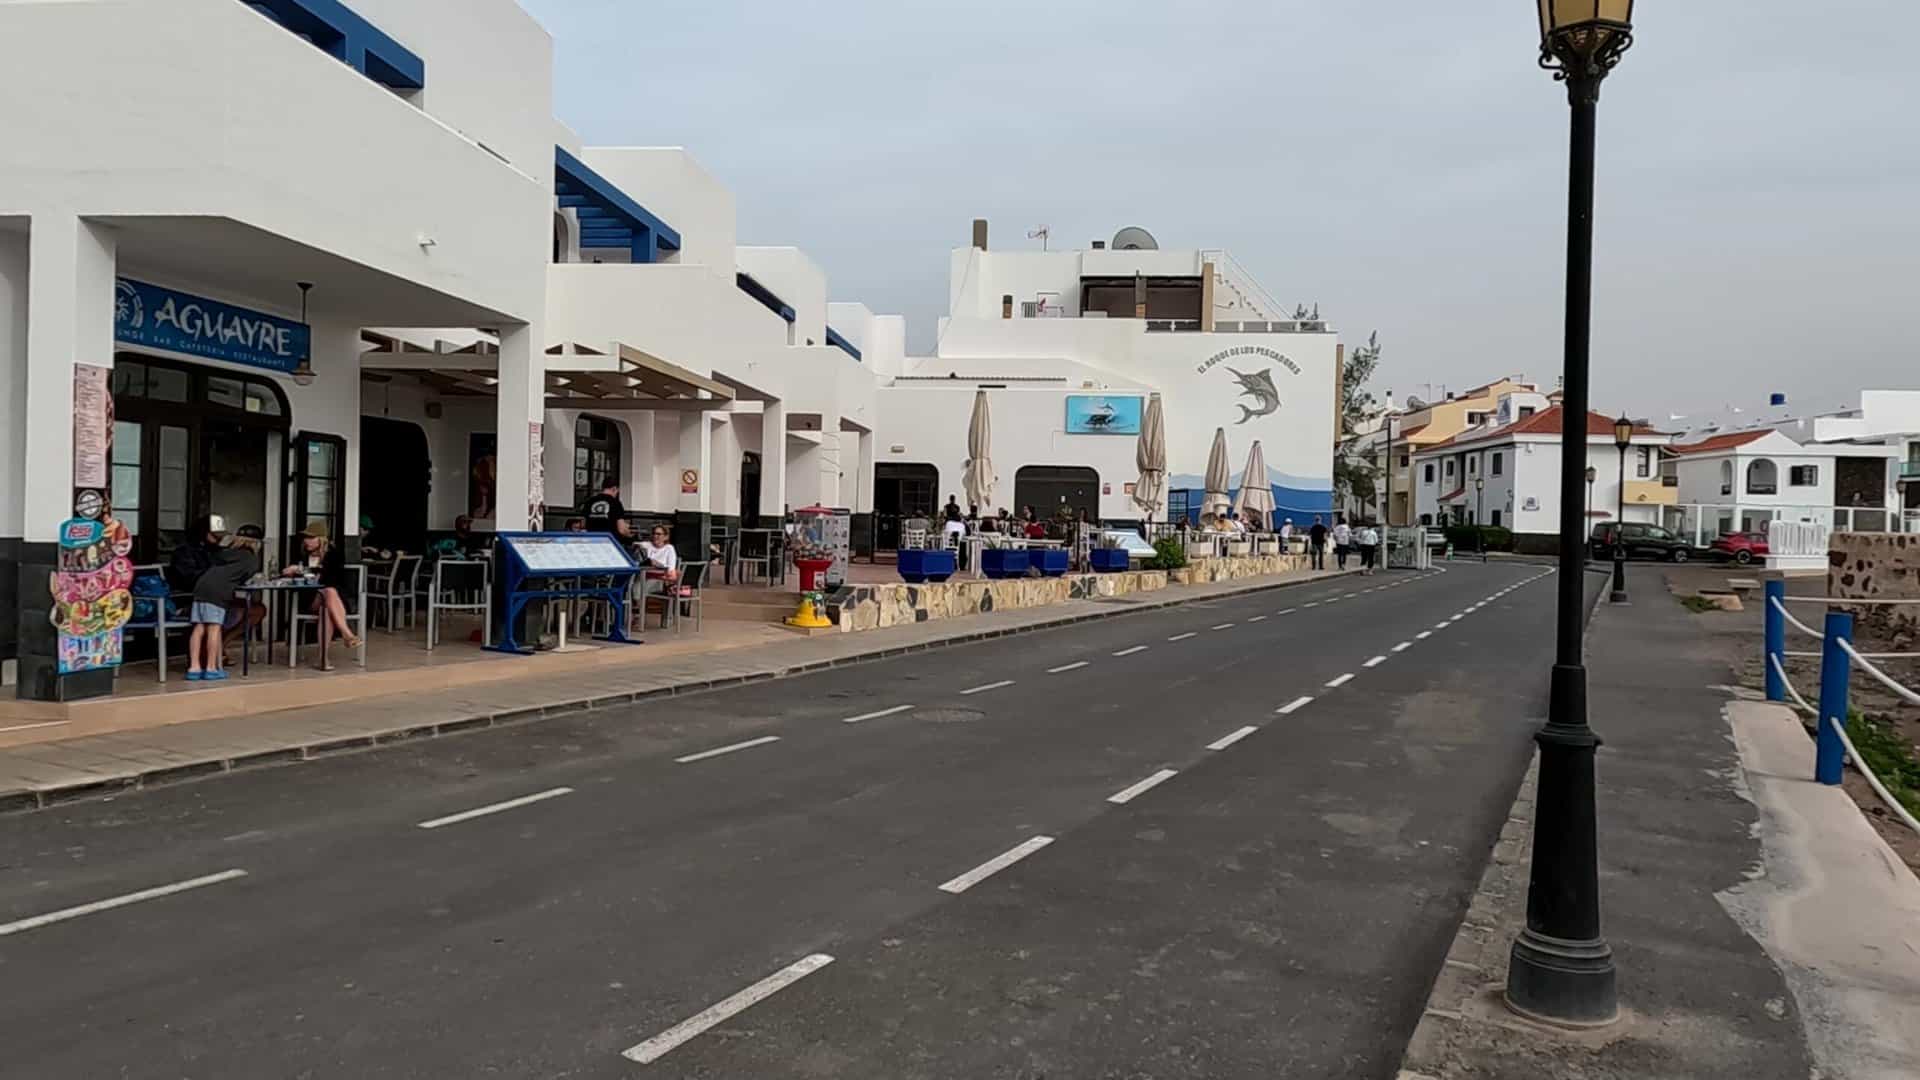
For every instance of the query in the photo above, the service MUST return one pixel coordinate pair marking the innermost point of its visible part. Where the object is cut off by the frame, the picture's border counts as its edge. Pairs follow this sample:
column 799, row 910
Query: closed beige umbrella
column 1150, row 456
column 1256, row 491
column 1217, row 498
column 979, row 478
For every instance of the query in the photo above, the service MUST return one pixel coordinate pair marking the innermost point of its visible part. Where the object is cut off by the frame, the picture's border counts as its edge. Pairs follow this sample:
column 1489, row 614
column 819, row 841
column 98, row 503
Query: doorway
column 750, row 490
column 396, row 482
column 901, row 490
column 1047, row 488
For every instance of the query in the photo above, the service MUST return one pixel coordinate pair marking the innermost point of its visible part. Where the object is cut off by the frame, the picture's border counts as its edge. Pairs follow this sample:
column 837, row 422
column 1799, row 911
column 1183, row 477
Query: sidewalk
column 1760, row 927
column 41, row 773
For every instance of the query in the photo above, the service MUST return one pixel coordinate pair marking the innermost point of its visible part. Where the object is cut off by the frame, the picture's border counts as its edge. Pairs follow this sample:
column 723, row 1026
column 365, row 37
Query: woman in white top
column 663, row 561
column 1369, row 541
column 1342, row 542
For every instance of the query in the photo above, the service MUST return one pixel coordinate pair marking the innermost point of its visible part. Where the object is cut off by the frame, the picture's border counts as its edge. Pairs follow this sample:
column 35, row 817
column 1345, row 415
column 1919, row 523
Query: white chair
column 913, row 537
column 395, row 589
column 460, row 585
column 356, row 617
column 684, row 596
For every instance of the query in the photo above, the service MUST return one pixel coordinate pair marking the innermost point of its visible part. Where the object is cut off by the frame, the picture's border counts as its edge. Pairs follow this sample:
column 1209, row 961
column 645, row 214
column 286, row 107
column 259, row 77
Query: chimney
column 980, row 233
column 1206, row 297
column 1006, row 306
column 1139, row 296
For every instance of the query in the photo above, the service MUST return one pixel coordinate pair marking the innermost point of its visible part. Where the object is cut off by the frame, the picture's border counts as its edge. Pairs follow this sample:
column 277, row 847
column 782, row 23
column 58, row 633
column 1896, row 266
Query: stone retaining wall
column 1878, row 566
column 876, row 607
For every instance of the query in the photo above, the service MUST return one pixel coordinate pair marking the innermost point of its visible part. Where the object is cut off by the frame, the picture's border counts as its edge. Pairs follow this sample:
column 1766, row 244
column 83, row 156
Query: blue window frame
column 609, row 217
column 342, row 33
column 834, row 338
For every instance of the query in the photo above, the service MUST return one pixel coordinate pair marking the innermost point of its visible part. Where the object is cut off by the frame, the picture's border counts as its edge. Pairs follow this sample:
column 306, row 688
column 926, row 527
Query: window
column 1804, row 476
column 1449, row 468
column 1473, row 465
column 1726, row 478
column 596, row 456
column 1494, row 519
column 1526, row 411
column 1763, row 478
column 1644, row 468
column 125, row 492
column 1426, row 519
column 1475, row 419
column 1406, row 459
column 1427, row 473
column 1498, row 464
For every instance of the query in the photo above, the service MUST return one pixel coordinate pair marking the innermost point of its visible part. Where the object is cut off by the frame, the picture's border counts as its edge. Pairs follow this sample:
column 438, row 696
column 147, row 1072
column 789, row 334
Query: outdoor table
column 270, row 592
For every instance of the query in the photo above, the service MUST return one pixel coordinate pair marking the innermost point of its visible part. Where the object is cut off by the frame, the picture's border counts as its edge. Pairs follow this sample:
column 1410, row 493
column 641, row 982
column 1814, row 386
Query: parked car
column 1639, row 541
column 1741, row 547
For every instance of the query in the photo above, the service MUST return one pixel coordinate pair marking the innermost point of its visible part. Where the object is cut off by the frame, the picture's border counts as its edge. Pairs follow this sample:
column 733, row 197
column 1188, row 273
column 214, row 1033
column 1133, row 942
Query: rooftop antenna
column 1041, row 235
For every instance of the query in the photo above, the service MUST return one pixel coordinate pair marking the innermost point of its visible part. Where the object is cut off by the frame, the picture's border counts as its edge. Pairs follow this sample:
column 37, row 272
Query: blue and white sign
column 160, row 318
column 1089, row 414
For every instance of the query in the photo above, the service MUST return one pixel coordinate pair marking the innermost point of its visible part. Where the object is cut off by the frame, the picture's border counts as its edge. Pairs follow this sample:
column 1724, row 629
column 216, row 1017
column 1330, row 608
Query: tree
column 1352, row 477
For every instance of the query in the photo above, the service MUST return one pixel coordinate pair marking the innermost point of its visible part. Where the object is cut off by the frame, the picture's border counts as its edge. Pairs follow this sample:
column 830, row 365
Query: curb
column 163, row 776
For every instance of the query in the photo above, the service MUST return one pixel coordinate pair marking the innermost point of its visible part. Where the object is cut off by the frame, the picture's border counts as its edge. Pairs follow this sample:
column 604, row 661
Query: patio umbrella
column 1216, row 498
column 979, row 479
column 1150, row 456
column 1256, row 492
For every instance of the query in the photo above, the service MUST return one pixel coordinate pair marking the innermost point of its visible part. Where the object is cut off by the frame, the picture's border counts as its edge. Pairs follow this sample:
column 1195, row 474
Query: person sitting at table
column 577, row 525
column 1035, row 530
column 660, row 565
column 324, row 561
column 956, row 524
column 465, row 540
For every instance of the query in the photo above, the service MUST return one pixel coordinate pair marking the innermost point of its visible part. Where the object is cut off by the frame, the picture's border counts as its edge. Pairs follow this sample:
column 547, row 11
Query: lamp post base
column 1619, row 593
column 1560, row 982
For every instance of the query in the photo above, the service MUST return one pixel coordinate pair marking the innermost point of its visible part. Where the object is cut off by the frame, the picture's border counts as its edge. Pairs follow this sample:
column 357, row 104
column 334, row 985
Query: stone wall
column 1234, row 567
column 1878, row 566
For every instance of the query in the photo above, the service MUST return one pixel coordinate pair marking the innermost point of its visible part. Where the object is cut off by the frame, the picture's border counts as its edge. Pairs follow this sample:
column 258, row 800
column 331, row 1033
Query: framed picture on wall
column 483, row 473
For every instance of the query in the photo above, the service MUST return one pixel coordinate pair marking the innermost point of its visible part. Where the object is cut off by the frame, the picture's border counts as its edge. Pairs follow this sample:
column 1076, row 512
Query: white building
column 1506, row 473
column 1070, row 344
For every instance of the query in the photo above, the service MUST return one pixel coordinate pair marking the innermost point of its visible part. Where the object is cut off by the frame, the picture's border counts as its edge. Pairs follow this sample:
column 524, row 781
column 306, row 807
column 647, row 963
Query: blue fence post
column 1836, row 667
column 1776, row 645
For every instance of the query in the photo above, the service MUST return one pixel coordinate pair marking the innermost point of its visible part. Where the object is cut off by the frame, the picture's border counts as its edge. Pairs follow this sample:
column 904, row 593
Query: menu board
column 566, row 553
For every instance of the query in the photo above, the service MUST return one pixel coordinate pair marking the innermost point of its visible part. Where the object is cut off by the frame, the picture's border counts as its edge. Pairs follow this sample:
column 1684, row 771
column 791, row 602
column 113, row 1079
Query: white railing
column 1245, row 287
column 1702, row 523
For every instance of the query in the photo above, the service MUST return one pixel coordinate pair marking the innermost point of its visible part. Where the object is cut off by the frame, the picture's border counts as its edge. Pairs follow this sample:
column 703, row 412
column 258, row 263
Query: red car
column 1741, row 547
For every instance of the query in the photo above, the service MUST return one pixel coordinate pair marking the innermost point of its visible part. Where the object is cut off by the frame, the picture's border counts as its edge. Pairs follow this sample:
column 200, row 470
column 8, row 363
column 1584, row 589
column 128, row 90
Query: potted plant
column 920, row 565
column 1052, row 562
column 999, row 563
column 1107, row 556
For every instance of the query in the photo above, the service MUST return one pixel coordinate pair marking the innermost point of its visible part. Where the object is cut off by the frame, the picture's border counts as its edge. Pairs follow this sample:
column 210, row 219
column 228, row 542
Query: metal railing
column 1238, row 279
column 1702, row 523
column 1832, row 748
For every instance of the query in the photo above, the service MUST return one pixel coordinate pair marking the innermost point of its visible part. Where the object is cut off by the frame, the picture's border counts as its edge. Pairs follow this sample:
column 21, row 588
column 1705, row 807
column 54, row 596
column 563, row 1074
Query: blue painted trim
column 765, row 295
column 834, row 338
column 609, row 218
column 341, row 32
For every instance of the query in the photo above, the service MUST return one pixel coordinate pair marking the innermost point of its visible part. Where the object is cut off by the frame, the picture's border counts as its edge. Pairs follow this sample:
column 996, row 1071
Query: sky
column 1402, row 165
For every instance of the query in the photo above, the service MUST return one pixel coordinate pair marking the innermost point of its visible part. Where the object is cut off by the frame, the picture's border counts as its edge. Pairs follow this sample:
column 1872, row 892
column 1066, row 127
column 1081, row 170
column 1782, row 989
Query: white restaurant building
column 287, row 260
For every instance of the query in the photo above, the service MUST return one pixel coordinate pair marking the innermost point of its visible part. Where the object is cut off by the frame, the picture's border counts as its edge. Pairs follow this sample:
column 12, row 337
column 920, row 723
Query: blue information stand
column 556, row 566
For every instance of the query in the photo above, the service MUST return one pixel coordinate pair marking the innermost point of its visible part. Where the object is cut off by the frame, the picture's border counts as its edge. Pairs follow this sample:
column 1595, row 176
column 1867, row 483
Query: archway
column 1047, row 488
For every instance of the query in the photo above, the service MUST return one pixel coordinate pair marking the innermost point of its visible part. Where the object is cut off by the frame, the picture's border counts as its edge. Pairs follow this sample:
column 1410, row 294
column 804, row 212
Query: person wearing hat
column 233, row 563
column 195, row 553
column 324, row 561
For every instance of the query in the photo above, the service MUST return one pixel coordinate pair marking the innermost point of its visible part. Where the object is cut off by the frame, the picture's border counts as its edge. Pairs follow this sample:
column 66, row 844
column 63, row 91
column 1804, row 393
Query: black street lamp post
column 1561, row 969
column 1592, row 475
column 1622, row 436
column 1480, row 513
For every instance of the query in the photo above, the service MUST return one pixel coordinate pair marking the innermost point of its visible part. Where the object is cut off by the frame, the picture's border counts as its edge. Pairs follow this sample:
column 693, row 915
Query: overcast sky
column 1401, row 164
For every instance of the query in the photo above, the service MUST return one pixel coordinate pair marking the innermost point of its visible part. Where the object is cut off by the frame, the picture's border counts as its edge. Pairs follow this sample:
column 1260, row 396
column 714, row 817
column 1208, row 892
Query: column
column 519, row 409
column 693, row 515
column 773, row 460
column 863, row 476
column 70, row 299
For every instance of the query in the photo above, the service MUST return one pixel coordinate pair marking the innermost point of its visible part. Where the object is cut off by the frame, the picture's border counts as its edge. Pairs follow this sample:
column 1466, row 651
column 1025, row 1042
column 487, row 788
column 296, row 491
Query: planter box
column 919, row 566
column 1000, row 563
column 1108, row 560
column 1052, row 562
column 1239, row 547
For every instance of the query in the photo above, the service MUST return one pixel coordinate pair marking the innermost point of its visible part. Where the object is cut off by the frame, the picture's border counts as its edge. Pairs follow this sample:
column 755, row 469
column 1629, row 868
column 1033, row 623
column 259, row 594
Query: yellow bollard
column 809, row 616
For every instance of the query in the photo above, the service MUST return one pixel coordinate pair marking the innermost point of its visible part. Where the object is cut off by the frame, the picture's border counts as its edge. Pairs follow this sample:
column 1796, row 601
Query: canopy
column 979, row 479
column 1256, row 492
column 1217, row 498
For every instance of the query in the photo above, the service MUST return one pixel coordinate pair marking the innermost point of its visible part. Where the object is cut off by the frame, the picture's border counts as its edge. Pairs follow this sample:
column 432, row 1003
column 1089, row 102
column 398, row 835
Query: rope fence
column 1832, row 748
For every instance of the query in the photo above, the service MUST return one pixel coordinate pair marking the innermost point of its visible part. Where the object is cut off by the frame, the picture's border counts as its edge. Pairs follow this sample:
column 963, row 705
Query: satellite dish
column 1415, row 404
column 1134, row 238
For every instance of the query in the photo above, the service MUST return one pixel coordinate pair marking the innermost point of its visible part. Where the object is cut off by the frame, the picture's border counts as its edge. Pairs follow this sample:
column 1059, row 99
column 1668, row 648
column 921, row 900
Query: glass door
column 315, row 485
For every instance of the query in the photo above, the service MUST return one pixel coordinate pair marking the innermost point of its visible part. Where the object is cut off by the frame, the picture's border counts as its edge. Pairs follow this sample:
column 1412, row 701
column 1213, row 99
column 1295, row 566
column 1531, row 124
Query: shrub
column 1169, row 553
column 1474, row 537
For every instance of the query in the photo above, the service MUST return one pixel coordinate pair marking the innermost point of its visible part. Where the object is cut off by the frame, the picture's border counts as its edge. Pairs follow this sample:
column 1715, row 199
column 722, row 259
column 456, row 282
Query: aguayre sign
column 162, row 318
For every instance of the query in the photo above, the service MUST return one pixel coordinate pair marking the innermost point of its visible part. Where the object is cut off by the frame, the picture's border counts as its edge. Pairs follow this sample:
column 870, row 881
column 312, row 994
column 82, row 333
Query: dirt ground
column 1742, row 631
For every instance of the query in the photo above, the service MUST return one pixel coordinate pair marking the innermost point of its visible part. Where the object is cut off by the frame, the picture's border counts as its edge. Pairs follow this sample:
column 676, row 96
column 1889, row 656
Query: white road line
column 1075, row 666
column 1182, row 637
column 1257, row 618
column 1403, row 646
column 1128, row 794
column 1223, row 743
column 1294, row 706
column 748, row 745
column 1424, row 635
column 1458, row 617
column 34, row 727
column 1340, row 681
column 1223, row 626
column 1441, row 625
column 876, row 715
column 510, row 804
column 664, row 1043
column 1314, row 603
column 1289, row 611
column 1130, row 652
column 97, row 906
column 1375, row 662
column 994, row 865
column 989, row 686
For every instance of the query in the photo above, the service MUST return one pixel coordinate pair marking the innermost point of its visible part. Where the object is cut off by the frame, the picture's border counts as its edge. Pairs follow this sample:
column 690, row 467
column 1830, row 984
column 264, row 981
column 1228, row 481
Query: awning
column 618, row 376
column 609, row 218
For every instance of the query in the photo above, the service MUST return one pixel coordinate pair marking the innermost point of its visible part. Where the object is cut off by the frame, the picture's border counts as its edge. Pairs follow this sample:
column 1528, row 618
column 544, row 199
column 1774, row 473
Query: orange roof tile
column 1719, row 443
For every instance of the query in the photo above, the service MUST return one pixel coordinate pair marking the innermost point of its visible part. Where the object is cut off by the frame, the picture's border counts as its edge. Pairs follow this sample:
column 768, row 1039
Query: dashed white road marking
column 1441, row 625
column 994, row 865
column 1294, row 706
column 660, row 1045
column 1223, row 743
column 1340, row 680
column 877, row 715
column 1424, row 635
column 510, row 804
column 1075, row 666
column 1289, row 611
column 1183, row 637
column 1257, row 618
column 97, row 906
column 1128, row 794
column 1130, row 652
column 1314, row 603
column 729, row 749
column 1403, row 646
column 1375, row 662
column 990, row 686
column 1224, row 626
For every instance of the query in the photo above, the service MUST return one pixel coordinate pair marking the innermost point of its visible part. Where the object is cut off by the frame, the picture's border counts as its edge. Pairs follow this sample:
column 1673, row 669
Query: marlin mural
column 1258, row 386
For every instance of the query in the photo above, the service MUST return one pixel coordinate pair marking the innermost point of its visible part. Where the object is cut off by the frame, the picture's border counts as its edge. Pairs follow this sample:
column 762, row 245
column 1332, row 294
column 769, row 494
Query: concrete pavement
column 597, row 883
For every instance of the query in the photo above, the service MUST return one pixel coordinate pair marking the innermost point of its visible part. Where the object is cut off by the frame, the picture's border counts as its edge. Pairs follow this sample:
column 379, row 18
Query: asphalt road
column 1275, row 906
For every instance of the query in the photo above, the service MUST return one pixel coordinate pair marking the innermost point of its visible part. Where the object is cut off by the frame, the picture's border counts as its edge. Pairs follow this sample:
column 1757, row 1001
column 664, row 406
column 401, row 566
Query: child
column 233, row 565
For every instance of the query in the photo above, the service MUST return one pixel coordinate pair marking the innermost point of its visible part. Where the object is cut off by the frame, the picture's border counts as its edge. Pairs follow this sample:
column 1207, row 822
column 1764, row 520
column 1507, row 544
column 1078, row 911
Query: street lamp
column 1622, row 435
column 1561, row 969
column 1592, row 475
column 1480, row 514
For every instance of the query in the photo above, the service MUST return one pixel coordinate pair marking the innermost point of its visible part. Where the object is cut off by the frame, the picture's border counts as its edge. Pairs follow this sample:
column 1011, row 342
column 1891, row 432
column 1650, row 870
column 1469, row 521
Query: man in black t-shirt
column 604, row 513
column 1317, row 544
